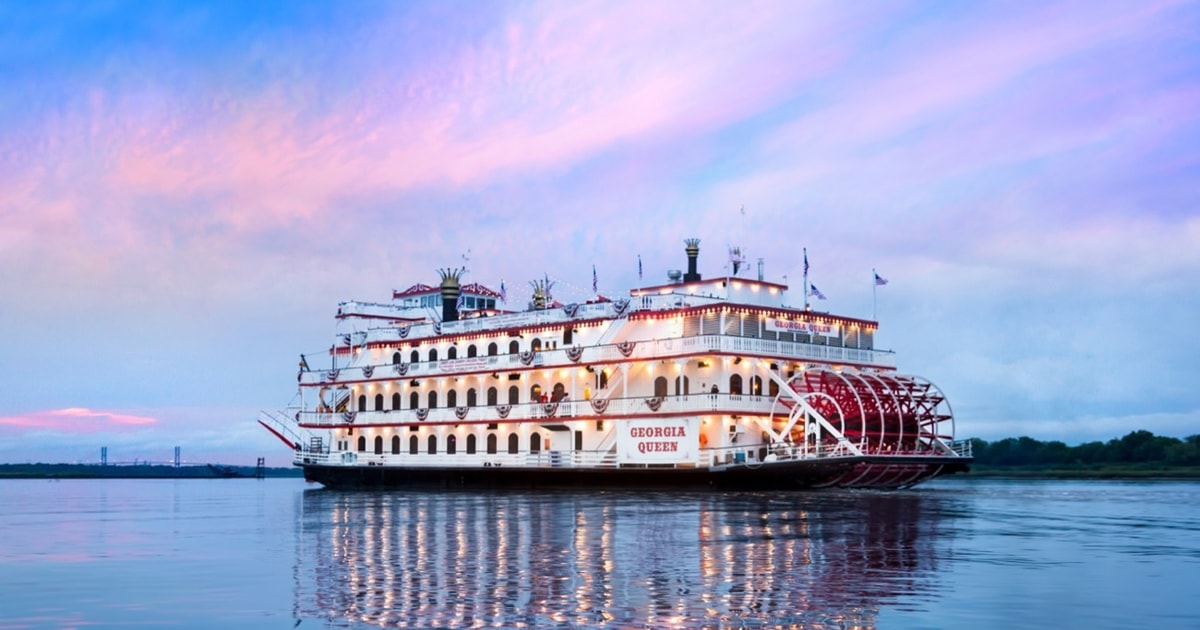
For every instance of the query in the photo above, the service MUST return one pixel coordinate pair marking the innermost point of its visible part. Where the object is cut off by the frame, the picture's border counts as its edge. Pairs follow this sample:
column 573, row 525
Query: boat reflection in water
column 617, row 559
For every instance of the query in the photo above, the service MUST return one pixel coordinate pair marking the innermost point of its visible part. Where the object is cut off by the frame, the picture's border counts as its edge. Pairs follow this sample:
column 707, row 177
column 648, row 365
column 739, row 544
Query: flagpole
column 874, row 288
column 806, row 278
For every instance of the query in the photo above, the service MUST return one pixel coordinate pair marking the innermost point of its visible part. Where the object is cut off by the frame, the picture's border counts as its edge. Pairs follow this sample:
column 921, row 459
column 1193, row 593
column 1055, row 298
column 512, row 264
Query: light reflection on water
column 272, row 554
column 587, row 559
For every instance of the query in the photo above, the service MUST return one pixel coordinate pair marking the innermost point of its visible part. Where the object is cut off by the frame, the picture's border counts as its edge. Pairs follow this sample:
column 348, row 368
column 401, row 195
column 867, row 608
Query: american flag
column 639, row 267
column 503, row 293
column 815, row 292
column 880, row 280
column 595, row 285
column 806, row 262
column 461, row 300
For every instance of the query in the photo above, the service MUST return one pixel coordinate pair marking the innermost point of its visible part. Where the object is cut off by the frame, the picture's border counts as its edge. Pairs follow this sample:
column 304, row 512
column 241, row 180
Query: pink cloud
column 76, row 420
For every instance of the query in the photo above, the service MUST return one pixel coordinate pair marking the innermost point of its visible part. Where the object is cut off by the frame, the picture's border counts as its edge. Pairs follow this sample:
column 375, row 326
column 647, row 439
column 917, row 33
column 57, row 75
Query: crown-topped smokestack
column 693, row 251
column 450, row 290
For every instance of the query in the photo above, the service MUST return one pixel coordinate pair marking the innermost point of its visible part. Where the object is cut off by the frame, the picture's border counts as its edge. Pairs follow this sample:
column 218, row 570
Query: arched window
column 535, row 393
column 432, row 400
column 413, row 443
column 414, row 400
column 492, row 349
column 379, row 445
column 559, row 393
column 471, row 444
column 681, row 386
column 513, row 443
column 756, row 385
column 470, row 351
column 378, row 402
column 432, row 444
column 452, row 353
column 535, row 442
column 514, row 346
column 395, row 445
column 362, row 403
column 514, row 395
column 536, row 344
column 471, row 398
column 452, row 398
column 396, row 401
column 660, row 386
column 735, row 384
column 451, row 444
column 492, row 395
column 362, row 444
column 415, row 357
column 491, row 444
column 772, row 388
column 603, row 380
column 396, row 358
column 433, row 354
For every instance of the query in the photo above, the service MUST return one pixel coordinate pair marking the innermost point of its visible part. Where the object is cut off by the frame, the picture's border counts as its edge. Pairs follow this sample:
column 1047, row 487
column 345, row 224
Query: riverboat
column 698, row 382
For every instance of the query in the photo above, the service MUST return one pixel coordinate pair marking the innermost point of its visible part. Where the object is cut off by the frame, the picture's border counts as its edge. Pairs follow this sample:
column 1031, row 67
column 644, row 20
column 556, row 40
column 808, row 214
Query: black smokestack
column 693, row 250
column 450, row 290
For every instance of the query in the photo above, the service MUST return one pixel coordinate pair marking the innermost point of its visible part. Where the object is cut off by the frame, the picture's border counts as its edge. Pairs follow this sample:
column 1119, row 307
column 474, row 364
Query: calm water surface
column 282, row 554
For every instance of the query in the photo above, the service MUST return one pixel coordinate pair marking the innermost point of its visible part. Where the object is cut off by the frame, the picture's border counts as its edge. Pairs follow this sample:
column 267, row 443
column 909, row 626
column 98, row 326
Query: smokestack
column 693, row 251
column 450, row 290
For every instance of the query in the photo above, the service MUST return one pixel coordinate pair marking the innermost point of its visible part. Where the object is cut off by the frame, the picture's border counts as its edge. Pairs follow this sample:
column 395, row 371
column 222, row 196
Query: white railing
column 642, row 350
column 562, row 410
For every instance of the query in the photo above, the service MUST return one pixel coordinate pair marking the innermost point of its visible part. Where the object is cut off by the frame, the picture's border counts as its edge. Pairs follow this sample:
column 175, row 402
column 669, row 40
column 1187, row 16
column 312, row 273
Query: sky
column 187, row 190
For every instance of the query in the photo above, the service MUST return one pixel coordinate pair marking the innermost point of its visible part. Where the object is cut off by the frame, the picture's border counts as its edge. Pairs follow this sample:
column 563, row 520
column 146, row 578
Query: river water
column 278, row 553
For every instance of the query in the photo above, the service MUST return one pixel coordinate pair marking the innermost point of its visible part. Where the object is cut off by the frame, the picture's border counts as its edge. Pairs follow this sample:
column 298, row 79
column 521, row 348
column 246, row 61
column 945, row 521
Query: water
column 282, row 554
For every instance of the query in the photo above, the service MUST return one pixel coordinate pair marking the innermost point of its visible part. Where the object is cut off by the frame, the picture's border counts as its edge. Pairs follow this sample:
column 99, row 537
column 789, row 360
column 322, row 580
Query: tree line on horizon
column 1138, row 447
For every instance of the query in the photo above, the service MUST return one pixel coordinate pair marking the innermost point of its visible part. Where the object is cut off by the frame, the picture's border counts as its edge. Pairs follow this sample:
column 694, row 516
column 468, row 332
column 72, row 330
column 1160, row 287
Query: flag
column 743, row 210
column 880, row 280
column 503, row 293
column 806, row 262
column 639, row 267
column 595, row 285
column 459, row 304
column 815, row 292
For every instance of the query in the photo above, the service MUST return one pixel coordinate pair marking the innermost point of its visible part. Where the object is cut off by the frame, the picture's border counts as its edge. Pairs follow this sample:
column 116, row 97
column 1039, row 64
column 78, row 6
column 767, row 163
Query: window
column 491, row 396
column 362, row 444
column 560, row 392
column 514, row 395
column 396, row 401
column 578, row 440
column 567, row 334
column 470, row 350
column 433, row 354
column 471, row 398
column 378, row 402
column 433, row 400
column 471, row 444
column 415, row 357
column 396, row 358
column 362, row 403
column 492, row 349
column 513, row 443
column 451, row 444
column 772, row 388
column 681, row 386
column 379, row 445
column 735, row 384
column 756, row 385
column 536, row 344
column 535, row 393
column 603, row 379
column 660, row 387
column 535, row 442
column 413, row 443
column 414, row 400
column 491, row 444
column 452, row 398
column 452, row 353
column 433, row 445
column 395, row 445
